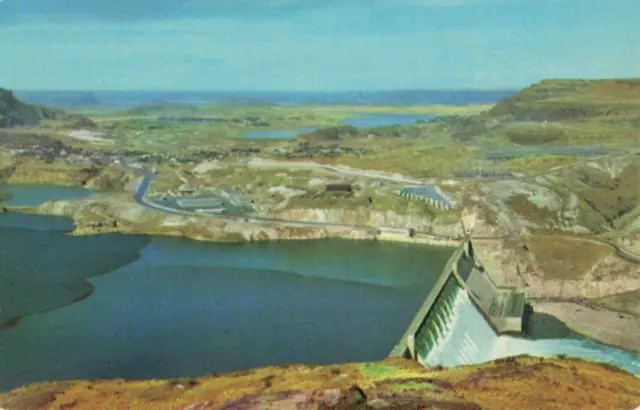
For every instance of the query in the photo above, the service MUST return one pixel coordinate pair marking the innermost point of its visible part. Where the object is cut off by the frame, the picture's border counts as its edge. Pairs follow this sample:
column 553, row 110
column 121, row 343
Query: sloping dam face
column 454, row 333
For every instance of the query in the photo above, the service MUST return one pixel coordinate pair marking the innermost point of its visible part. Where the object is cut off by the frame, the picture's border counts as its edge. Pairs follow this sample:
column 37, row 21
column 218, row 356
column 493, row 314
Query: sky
column 309, row 45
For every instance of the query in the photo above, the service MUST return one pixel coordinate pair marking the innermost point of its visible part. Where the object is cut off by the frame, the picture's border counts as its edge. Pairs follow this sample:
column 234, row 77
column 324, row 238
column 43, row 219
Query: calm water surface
column 277, row 134
column 140, row 307
column 32, row 195
column 117, row 306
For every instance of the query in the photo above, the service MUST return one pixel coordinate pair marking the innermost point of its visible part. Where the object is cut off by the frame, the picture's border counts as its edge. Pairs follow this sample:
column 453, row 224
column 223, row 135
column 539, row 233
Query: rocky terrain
column 15, row 113
column 391, row 384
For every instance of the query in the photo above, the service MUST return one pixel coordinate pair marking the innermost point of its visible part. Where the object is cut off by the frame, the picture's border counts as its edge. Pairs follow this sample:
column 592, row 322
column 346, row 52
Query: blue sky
column 313, row 44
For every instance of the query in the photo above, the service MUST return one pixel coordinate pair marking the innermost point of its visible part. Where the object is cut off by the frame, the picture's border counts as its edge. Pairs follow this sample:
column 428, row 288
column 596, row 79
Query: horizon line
column 262, row 91
column 327, row 90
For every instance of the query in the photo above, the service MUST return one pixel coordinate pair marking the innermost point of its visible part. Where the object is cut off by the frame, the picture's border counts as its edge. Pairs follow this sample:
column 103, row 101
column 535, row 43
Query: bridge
column 463, row 285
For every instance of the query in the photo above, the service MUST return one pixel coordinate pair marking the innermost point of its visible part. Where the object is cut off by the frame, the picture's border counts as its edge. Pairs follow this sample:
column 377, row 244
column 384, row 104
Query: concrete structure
column 502, row 307
column 186, row 189
column 210, row 210
column 428, row 193
column 200, row 202
column 468, row 220
column 338, row 188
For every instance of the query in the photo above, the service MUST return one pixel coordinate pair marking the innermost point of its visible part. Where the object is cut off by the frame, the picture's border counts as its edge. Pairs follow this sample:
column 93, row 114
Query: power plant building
column 428, row 193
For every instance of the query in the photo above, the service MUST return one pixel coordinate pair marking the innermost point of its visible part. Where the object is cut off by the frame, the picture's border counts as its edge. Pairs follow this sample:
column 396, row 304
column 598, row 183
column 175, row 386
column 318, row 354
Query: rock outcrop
column 119, row 213
column 15, row 113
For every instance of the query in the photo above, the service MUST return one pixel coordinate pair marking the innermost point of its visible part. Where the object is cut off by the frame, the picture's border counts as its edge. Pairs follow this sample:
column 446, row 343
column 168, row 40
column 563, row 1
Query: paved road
column 144, row 186
column 267, row 163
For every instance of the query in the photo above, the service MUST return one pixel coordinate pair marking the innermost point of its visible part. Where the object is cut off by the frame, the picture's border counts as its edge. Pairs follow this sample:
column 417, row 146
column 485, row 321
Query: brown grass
column 32, row 171
column 565, row 258
column 417, row 161
column 538, row 163
column 530, row 211
column 566, row 383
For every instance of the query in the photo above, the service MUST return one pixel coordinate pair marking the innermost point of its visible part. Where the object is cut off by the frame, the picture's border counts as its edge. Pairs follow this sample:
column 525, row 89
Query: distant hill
column 565, row 112
column 59, row 99
column 562, row 100
column 15, row 113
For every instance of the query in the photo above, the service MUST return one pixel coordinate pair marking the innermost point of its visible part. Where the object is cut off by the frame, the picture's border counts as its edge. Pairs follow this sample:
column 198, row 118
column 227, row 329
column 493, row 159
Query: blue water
column 138, row 307
column 277, row 134
column 33, row 195
column 383, row 120
column 132, row 306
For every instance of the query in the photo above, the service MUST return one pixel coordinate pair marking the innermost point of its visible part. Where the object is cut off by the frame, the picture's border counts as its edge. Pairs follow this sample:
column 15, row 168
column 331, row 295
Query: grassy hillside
column 573, row 100
column 576, row 112
column 391, row 384
column 15, row 113
column 612, row 192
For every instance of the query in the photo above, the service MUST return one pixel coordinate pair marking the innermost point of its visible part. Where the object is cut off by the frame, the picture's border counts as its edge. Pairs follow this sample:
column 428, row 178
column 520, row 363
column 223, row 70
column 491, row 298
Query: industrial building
column 428, row 193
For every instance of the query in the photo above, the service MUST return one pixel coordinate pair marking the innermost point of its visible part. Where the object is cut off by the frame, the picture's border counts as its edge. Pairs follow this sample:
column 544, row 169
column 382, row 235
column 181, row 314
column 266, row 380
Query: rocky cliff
column 15, row 113
column 31, row 171
column 449, row 227
column 119, row 213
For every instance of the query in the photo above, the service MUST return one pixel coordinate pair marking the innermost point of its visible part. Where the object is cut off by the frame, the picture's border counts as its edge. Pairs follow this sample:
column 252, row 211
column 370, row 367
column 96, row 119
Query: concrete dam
column 467, row 319
column 464, row 299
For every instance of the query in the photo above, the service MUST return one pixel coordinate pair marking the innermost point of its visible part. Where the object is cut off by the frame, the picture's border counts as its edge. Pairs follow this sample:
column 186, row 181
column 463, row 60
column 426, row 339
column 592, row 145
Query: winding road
column 144, row 186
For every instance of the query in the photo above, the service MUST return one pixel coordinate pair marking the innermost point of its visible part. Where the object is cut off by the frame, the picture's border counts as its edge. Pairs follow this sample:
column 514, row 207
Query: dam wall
column 462, row 281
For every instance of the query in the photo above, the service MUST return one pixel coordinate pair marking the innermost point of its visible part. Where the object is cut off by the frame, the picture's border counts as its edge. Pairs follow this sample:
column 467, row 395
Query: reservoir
column 31, row 195
column 277, row 134
column 130, row 306
column 134, row 306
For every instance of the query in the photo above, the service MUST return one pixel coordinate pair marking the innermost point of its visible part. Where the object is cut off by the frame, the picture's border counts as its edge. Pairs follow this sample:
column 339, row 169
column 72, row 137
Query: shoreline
column 604, row 325
column 245, row 231
column 601, row 324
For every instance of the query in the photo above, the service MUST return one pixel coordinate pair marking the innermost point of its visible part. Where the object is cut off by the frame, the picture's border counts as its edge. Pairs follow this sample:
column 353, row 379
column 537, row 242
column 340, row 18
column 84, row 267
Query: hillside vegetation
column 573, row 100
column 15, row 113
column 391, row 384
column 599, row 112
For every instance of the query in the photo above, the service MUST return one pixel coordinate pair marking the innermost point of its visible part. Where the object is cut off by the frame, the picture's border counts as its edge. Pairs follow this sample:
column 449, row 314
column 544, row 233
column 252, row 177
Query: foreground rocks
column 532, row 383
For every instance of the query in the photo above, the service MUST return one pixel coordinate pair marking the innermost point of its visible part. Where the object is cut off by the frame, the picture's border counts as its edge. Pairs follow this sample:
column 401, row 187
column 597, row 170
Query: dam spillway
column 466, row 320
column 450, row 335
column 501, row 308
column 457, row 333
